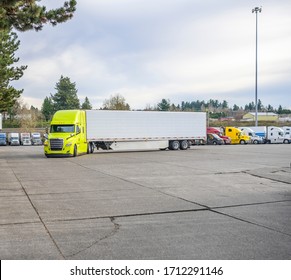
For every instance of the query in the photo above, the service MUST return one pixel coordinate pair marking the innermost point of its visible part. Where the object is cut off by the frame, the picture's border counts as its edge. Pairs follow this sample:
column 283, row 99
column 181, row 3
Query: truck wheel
column 75, row 151
column 174, row 145
column 242, row 142
column 214, row 143
column 184, row 145
column 256, row 142
column 286, row 141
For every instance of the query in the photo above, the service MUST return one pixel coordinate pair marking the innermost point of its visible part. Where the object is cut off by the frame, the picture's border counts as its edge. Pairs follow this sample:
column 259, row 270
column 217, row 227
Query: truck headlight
column 45, row 143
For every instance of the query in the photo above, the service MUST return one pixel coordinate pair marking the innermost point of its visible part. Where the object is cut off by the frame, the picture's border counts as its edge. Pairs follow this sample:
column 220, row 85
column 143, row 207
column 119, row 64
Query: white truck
column 287, row 134
column 25, row 139
column 74, row 132
column 13, row 139
column 271, row 134
column 255, row 139
column 36, row 138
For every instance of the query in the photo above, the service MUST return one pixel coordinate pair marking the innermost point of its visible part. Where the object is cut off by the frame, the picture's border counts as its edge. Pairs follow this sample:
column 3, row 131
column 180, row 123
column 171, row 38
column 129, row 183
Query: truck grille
column 56, row 144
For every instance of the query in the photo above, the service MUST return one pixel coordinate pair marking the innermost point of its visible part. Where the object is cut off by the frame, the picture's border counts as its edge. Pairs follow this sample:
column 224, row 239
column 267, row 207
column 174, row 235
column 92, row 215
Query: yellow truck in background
column 236, row 135
column 75, row 132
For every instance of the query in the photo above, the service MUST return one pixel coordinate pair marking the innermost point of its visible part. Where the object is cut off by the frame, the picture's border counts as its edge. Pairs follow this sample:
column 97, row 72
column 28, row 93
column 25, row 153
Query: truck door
column 78, row 135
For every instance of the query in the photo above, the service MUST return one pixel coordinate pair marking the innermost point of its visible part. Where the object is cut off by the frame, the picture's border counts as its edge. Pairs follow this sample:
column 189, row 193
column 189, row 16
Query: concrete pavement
column 210, row 202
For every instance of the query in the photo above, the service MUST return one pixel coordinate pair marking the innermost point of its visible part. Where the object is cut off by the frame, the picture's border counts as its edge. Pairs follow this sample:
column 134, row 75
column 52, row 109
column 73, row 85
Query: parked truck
column 3, row 140
column 75, row 132
column 36, row 138
column 25, row 139
column 217, row 131
column 13, row 139
column 255, row 139
column 287, row 134
column 271, row 134
column 236, row 135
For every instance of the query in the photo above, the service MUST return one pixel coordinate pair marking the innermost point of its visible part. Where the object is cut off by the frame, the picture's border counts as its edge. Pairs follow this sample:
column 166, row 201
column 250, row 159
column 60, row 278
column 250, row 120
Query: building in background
column 262, row 116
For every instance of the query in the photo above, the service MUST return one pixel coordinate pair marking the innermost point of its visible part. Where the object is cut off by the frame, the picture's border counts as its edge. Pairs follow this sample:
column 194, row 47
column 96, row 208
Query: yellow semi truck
column 75, row 132
column 236, row 135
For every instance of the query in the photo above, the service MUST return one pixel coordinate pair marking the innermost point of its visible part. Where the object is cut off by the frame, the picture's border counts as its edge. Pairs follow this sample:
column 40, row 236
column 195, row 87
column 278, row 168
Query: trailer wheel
column 174, row 145
column 75, row 151
column 184, row 145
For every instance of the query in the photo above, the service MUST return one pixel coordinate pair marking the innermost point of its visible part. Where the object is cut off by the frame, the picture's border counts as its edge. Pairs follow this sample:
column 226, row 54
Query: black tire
column 256, row 142
column 286, row 141
column 75, row 151
column 184, row 145
column 174, row 145
column 242, row 142
column 214, row 143
column 91, row 148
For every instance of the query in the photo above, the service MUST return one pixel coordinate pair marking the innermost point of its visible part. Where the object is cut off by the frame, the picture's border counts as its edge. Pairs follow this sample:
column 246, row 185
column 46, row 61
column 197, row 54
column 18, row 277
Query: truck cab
column 236, row 135
column 3, row 141
column 275, row 135
column 67, row 134
column 13, row 139
column 25, row 139
column 255, row 139
column 36, row 138
column 287, row 134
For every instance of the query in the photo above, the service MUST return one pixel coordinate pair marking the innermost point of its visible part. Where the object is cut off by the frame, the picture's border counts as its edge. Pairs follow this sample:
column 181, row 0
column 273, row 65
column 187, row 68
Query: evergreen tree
column 224, row 104
column 8, row 73
column 28, row 14
column 86, row 104
column 47, row 108
column 66, row 96
column 280, row 109
column 164, row 105
column 270, row 108
column 235, row 107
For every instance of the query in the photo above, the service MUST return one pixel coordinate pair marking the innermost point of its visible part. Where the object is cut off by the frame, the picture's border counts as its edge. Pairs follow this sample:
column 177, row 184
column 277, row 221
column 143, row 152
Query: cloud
column 147, row 50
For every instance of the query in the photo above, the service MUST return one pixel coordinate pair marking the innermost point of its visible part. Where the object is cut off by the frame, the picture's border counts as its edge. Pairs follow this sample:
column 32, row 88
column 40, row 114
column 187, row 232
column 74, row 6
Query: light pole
column 256, row 10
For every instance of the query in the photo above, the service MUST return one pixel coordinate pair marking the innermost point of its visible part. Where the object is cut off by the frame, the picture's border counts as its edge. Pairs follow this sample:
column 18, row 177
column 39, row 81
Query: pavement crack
column 264, row 177
column 251, row 223
column 110, row 234
column 40, row 218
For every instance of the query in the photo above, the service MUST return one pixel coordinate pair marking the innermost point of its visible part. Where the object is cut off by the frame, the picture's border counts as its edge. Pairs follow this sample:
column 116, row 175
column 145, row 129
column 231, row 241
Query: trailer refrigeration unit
column 74, row 132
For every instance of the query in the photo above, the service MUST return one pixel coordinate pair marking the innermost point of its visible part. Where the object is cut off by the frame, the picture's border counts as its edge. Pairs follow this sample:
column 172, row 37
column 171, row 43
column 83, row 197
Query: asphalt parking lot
column 210, row 202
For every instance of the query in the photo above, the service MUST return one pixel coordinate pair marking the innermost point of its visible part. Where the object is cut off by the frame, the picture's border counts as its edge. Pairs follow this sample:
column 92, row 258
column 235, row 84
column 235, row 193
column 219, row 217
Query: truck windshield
column 62, row 128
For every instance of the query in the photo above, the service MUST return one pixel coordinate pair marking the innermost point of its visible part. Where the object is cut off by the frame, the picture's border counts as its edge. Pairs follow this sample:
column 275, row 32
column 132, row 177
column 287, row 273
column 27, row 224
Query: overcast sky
column 146, row 50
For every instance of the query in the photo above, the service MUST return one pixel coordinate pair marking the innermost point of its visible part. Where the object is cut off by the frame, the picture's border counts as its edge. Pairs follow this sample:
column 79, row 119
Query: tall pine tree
column 8, row 72
column 28, row 14
column 65, row 97
column 86, row 104
column 47, row 108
